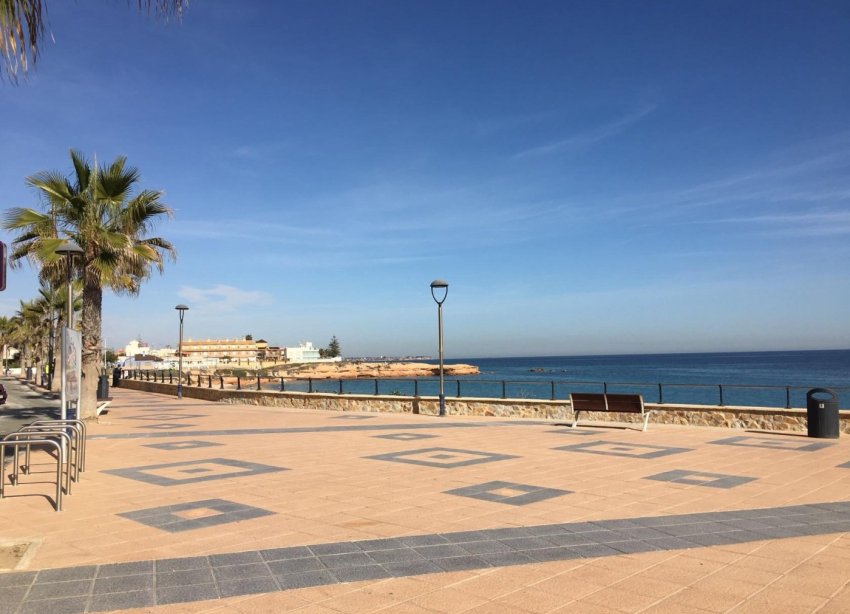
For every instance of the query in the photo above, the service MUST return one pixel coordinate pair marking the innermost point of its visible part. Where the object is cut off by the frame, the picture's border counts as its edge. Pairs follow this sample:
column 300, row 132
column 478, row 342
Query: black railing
column 721, row 395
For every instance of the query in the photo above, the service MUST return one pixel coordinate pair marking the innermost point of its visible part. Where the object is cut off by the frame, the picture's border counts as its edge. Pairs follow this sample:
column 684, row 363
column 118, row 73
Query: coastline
column 367, row 370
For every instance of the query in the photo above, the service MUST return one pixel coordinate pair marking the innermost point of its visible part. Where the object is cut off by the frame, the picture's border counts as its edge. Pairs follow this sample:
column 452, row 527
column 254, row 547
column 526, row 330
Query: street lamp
column 442, row 287
column 68, row 250
column 182, row 309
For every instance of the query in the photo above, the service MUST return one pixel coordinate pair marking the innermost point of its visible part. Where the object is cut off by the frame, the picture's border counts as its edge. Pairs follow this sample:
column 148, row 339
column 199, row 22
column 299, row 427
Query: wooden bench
column 619, row 403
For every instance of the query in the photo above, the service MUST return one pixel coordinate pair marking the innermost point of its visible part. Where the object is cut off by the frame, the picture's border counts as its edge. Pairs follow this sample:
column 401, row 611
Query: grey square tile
column 86, row 572
column 166, row 474
column 701, row 478
column 168, row 518
column 352, row 417
column 415, row 568
column 182, row 445
column 612, row 448
column 25, row 578
column 10, row 598
column 164, row 566
column 459, row 563
column 184, row 594
column 361, row 572
column 122, row 601
column 295, row 566
column 123, row 584
column 305, row 579
column 112, row 570
column 65, row 605
column 59, row 590
column 235, row 558
column 349, row 559
column 444, row 458
column 165, row 426
column 509, row 493
column 279, row 554
column 506, row 559
column 248, row 586
column 334, row 548
column 398, row 555
column 186, row 577
column 441, row 551
column 773, row 442
column 404, row 436
column 241, row 572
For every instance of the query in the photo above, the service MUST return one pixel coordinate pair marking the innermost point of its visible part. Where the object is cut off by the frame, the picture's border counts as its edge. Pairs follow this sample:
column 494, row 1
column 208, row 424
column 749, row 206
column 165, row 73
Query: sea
column 766, row 379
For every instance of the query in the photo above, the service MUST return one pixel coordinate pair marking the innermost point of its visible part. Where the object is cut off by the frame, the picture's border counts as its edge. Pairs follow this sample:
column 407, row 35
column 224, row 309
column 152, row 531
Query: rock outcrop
column 371, row 370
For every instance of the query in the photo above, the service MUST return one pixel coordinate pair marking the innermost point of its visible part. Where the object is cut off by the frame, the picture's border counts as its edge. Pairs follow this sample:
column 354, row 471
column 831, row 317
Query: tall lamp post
column 440, row 287
column 67, row 251
column 182, row 309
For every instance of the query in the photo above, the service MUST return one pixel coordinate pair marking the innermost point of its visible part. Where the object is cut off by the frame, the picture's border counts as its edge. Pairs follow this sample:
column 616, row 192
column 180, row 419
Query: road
column 24, row 405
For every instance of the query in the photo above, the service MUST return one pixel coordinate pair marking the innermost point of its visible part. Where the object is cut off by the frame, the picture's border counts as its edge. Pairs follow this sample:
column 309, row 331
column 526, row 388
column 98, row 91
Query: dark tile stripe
column 148, row 583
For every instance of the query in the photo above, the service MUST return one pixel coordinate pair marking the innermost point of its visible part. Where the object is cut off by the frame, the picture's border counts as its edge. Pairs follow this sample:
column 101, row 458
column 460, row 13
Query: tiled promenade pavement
column 188, row 506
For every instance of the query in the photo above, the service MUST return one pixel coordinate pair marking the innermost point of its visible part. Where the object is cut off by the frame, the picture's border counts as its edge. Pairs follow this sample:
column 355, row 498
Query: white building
column 306, row 352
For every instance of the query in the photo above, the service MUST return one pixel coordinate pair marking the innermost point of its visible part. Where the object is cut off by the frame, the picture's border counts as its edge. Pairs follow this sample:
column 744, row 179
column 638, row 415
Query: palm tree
column 96, row 207
column 22, row 24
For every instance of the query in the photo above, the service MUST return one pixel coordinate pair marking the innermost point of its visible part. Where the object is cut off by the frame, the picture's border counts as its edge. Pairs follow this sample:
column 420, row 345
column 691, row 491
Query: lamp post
column 439, row 286
column 68, row 251
column 182, row 309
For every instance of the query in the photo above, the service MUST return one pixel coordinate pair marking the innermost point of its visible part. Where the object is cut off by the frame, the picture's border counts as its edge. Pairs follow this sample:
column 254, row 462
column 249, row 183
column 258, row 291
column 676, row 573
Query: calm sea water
column 770, row 379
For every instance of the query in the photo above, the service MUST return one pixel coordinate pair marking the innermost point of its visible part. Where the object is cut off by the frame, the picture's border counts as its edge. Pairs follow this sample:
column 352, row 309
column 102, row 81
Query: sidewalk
column 189, row 506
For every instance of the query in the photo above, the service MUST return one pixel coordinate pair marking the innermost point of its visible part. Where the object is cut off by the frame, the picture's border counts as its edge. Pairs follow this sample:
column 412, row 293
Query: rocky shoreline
column 369, row 370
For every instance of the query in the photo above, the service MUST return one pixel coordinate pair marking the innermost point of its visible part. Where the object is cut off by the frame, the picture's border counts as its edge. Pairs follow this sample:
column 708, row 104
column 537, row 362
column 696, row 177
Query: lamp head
column 69, row 248
column 181, row 307
column 439, row 286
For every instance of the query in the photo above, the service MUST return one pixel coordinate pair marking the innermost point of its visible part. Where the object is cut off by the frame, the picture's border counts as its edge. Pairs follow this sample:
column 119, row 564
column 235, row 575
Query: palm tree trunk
column 91, row 331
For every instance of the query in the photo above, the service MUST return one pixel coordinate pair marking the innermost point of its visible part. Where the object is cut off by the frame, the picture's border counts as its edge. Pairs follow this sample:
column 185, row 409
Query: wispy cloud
column 589, row 137
column 221, row 299
column 810, row 175
column 812, row 224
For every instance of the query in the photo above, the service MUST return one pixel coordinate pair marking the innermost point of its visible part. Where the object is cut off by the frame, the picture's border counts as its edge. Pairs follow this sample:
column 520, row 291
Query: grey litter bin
column 103, row 388
column 822, row 413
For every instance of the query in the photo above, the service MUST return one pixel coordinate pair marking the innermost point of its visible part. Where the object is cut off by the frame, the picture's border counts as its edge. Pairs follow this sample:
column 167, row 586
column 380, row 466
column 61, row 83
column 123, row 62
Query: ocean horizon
column 772, row 378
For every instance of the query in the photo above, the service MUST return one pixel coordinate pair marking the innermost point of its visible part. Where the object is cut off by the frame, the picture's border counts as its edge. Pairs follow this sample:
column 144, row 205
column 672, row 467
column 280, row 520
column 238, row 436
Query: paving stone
column 122, row 601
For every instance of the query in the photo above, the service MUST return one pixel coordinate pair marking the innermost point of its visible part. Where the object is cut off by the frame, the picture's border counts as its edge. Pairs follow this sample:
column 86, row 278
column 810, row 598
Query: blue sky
column 590, row 177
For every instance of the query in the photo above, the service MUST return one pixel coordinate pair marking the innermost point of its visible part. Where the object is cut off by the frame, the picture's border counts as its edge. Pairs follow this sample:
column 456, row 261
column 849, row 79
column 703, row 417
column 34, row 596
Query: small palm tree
column 98, row 209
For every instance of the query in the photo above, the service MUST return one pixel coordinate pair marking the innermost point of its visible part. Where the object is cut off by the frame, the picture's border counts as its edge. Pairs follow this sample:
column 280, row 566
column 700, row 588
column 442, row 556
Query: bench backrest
column 625, row 403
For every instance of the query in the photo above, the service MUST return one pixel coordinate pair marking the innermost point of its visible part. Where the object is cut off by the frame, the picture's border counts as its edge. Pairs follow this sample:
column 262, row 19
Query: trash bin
column 822, row 413
column 116, row 377
column 102, row 387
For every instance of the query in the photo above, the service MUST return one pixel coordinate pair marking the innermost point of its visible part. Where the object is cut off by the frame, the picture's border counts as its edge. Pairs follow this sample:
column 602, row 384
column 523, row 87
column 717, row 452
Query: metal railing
column 720, row 395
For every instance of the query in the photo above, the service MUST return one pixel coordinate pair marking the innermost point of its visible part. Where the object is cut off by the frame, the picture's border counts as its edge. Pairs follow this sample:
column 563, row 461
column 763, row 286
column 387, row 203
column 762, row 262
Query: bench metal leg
column 575, row 419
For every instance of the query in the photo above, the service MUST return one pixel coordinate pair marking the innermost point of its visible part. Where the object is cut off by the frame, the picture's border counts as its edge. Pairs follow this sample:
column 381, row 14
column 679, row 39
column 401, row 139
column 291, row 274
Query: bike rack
column 81, row 436
column 75, row 459
column 32, row 435
column 60, row 460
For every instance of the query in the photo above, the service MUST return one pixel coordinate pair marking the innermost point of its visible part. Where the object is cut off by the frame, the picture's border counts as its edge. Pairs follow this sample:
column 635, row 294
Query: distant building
column 137, row 347
column 306, row 352
column 233, row 350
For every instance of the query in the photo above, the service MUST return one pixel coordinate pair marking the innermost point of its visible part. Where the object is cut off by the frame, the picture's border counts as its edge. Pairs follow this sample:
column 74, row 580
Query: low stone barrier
column 740, row 417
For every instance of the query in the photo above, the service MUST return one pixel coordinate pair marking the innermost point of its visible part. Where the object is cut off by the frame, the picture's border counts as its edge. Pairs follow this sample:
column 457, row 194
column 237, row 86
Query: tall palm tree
column 22, row 25
column 5, row 330
column 98, row 209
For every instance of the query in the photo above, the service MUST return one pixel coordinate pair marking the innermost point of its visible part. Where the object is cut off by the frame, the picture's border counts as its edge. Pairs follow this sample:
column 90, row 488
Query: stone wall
column 764, row 418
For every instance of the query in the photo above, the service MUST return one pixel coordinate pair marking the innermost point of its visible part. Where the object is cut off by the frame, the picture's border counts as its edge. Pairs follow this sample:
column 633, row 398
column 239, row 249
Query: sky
column 590, row 177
